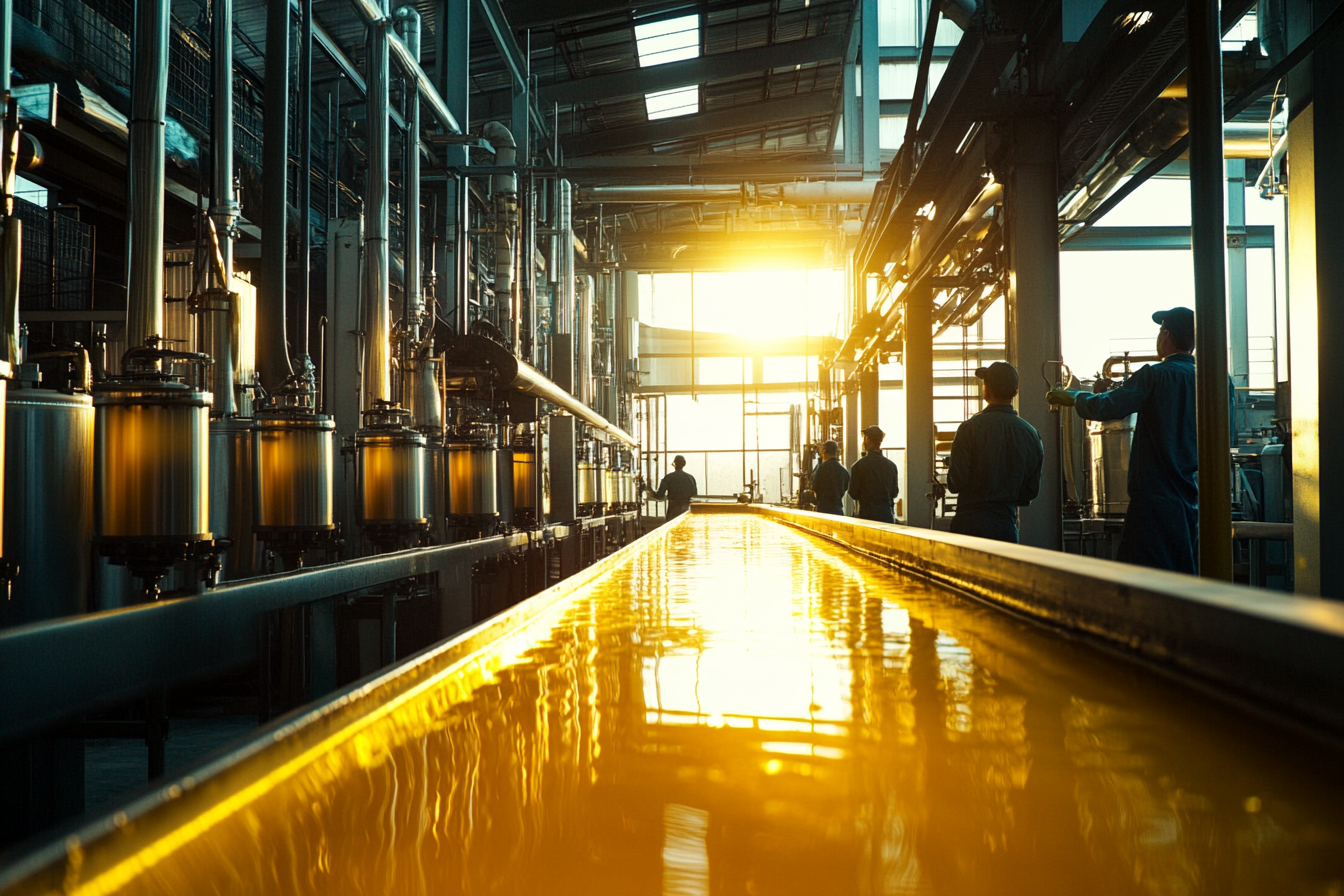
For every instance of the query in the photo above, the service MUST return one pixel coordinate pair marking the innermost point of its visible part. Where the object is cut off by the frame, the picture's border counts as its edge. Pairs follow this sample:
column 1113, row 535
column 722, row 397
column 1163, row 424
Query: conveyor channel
column 731, row 705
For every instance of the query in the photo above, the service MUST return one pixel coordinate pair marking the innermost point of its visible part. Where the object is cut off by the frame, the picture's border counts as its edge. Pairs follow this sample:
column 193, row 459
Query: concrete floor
column 115, row 768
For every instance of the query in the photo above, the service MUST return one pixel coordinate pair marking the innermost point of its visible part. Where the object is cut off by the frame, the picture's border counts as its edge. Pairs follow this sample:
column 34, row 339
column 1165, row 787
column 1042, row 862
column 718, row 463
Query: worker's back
column 995, row 468
column 677, row 488
column 829, row 483
column 874, row 482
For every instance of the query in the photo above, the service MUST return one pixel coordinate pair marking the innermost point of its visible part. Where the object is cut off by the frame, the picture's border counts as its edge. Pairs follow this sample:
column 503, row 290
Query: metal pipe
column 505, row 189
column 839, row 192
column 149, row 111
column 413, row 280
column 376, row 13
column 584, row 337
column 305, row 197
column 564, row 251
column 533, row 382
column 1208, row 240
column 222, row 324
column 378, row 286
column 1109, row 365
column 273, row 347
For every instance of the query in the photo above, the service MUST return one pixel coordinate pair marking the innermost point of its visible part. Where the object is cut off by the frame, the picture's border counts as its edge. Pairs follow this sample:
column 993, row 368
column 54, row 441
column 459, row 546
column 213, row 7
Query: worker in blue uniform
column 873, row 480
column 996, row 460
column 677, row 489
column 830, row 480
column 1162, row 523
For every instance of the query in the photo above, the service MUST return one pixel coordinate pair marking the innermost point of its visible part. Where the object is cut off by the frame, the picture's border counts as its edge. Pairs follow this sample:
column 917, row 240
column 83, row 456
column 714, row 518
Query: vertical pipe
column 872, row 104
column 851, row 438
column 1209, row 243
column 918, row 361
column 869, row 396
column 149, row 102
column 223, row 324
column 377, row 288
column 273, row 341
column 1236, row 273
column 584, row 337
column 305, row 191
column 414, row 279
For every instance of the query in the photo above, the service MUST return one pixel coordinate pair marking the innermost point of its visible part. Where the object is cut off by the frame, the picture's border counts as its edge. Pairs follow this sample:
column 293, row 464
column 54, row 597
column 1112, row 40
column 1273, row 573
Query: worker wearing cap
column 1162, row 523
column 830, row 480
column 996, row 460
column 873, row 480
column 677, row 489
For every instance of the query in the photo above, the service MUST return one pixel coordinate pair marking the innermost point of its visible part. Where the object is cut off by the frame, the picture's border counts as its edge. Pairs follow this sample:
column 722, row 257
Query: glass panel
column 671, row 103
column 668, row 41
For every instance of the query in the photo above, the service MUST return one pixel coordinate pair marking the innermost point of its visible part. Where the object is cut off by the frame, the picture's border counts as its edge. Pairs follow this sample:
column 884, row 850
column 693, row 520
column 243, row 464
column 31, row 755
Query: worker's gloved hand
column 1063, row 397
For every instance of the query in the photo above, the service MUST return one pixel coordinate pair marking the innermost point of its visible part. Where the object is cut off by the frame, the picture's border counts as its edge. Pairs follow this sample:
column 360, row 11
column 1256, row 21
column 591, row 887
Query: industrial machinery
column 390, row 458
column 294, row 449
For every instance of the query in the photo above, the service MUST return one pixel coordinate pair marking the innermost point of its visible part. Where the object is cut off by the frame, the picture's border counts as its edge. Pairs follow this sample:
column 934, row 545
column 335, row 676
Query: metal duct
column 413, row 279
column 827, row 192
column 273, row 341
column 149, row 111
column 377, row 288
column 222, row 326
column 584, row 337
column 959, row 11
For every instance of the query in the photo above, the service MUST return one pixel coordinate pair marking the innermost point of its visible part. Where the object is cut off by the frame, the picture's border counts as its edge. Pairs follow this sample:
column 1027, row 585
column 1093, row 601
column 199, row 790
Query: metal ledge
column 1279, row 654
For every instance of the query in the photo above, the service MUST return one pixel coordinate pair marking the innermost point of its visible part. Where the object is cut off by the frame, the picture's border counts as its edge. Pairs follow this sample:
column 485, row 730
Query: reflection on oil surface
column 741, row 708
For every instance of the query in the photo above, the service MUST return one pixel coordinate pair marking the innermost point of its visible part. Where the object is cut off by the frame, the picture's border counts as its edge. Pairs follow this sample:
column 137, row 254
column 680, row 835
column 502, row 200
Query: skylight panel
column 668, row 41
column 671, row 103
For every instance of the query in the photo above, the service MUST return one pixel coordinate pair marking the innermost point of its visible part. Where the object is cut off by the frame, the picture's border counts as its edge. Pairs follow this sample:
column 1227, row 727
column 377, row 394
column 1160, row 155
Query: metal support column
column 1033, row 241
column 1236, row 275
column 917, row 358
column 869, row 390
column 1208, row 240
column 377, row 226
column 273, row 341
column 149, row 99
column 872, row 100
column 853, row 116
column 455, row 85
column 851, row 446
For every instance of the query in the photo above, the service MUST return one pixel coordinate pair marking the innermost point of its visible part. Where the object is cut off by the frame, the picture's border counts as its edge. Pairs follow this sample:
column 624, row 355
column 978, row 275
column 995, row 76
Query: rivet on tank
column 151, row 463
column 295, row 456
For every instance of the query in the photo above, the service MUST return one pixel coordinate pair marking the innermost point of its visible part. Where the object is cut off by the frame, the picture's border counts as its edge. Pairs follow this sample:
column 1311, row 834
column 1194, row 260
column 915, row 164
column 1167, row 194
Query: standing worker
column 677, row 489
column 873, row 480
column 830, row 481
column 996, row 460
column 1162, row 523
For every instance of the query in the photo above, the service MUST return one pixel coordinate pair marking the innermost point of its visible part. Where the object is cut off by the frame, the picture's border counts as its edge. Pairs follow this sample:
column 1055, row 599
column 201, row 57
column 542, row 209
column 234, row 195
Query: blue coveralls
column 677, row 489
column 995, row 468
column 829, row 482
column 1162, row 522
column 874, row 483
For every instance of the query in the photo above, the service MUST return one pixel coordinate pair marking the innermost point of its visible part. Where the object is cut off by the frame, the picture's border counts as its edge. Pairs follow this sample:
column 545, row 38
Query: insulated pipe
column 223, row 329
column 843, row 192
column 272, row 338
column 304, row 89
column 376, row 13
column 529, row 380
column 505, row 188
column 413, row 278
column 584, row 337
column 563, row 313
column 378, row 285
column 149, row 110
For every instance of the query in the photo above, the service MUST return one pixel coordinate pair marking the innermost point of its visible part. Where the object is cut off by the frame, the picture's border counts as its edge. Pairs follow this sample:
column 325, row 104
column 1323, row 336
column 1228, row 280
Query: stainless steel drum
column 1111, row 441
column 524, row 479
column 391, row 471
column 295, row 452
column 611, row 487
column 232, row 479
column 587, row 482
column 627, row 487
column 151, row 461
column 436, row 487
column 473, row 469
column 422, row 394
column 48, row 491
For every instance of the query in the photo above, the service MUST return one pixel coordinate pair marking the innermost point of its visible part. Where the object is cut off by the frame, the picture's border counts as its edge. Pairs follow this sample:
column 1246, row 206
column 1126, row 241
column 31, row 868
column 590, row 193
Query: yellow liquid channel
column 737, row 707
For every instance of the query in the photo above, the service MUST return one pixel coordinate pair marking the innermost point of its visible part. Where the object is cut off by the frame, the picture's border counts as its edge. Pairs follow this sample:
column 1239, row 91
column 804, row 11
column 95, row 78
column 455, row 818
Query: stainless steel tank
column 436, row 487
column 524, row 478
column 1111, row 440
column 473, row 470
column 587, row 483
column 295, row 451
column 232, row 473
column 48, row 510
column 391, row 470
column 421, row 378
column 151, row 461
column 611, row 494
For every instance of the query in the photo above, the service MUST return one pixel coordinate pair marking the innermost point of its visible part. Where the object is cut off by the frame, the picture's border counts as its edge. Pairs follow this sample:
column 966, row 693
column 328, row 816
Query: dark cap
column 875, row 432
column 1001, row 377
column 1180, row 322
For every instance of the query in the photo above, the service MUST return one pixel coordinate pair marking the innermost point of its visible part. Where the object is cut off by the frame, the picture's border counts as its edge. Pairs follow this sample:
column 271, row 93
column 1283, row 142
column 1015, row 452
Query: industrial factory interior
column 671, row 447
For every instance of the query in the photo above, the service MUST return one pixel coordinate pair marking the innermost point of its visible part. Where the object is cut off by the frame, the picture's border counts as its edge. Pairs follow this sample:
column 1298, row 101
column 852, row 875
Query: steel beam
column 1208, row 238
column 1120, row 239
column 672, row 75
column 730, row 120
column 1034, row 339
column 517, row 64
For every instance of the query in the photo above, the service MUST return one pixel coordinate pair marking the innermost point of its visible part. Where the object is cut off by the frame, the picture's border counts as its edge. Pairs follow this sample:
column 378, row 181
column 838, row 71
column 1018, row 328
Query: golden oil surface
column 740, row 708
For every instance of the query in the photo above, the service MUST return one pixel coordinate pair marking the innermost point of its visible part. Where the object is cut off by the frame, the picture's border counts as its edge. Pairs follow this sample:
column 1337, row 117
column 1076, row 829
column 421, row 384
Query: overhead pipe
column 376, row 13
column 531, row 381
column 799, row 193
column 272, row 338
column 377, row 384
column 149, row 114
